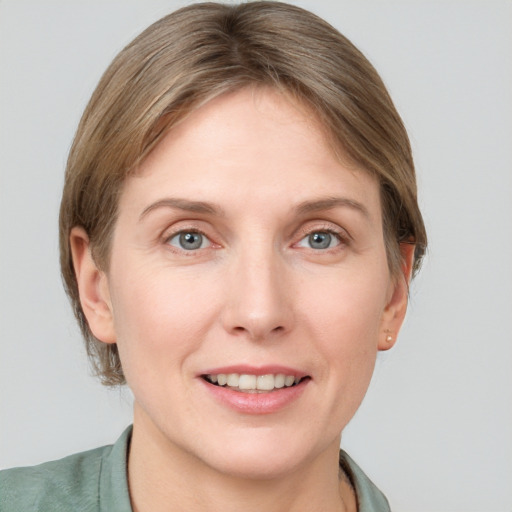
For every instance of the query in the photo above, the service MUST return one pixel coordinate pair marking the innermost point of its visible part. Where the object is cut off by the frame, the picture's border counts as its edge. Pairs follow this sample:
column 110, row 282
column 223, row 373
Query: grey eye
column 189, row 240
column 320, row 240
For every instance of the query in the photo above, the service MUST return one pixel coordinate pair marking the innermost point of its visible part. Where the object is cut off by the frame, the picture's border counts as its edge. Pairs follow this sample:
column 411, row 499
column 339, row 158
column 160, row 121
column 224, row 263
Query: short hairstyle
column 198, row 53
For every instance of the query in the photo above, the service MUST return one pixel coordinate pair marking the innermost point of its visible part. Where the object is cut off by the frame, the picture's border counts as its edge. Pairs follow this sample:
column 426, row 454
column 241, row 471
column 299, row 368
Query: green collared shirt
column 96, row 481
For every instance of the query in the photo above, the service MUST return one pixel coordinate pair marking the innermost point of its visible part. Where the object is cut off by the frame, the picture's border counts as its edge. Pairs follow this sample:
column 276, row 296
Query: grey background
column 435, row 431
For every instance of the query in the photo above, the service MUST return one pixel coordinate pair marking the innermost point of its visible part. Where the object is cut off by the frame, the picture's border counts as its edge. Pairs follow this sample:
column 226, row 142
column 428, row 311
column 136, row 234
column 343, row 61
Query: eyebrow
column 303, row 208
column 330, row 203
column 184, row 204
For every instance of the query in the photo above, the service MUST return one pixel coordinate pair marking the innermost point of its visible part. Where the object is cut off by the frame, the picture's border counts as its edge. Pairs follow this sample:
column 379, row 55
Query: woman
column 238, row 229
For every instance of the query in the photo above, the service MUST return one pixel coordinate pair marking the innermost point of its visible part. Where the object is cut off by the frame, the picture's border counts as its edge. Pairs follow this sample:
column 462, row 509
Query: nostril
column 258, row 332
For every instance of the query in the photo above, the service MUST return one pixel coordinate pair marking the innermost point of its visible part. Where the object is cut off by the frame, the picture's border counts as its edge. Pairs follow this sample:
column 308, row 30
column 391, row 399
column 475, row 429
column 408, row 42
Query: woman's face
column 244, row 247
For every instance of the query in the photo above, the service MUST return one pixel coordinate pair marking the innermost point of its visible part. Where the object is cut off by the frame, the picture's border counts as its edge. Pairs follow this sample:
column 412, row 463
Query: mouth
column 249, row 383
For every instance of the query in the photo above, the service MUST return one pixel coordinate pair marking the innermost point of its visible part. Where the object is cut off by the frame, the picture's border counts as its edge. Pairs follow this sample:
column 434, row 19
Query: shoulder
column 72, row 483
column 369, row 497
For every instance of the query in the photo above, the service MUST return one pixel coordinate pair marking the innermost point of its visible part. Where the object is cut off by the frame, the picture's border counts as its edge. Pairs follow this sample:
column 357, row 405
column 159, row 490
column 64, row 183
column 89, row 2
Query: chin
column 257, row 466
column 262, row 456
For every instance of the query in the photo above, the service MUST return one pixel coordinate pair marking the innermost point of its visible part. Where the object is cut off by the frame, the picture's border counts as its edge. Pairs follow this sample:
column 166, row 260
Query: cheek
column 345, row 318
column 348, row 307
column 347, row 337
column 157, row 313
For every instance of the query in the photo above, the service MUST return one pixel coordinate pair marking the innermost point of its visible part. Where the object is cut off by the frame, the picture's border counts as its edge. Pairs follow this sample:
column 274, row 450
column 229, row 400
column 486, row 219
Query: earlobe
column 396, row 306
column 93, row 287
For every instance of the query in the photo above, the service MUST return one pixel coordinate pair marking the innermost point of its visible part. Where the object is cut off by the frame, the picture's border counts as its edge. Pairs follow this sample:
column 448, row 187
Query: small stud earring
column 389, row 338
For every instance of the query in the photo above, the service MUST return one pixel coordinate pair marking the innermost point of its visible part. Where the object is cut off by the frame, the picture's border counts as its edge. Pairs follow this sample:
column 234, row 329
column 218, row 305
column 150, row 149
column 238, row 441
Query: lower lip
column 257, row 403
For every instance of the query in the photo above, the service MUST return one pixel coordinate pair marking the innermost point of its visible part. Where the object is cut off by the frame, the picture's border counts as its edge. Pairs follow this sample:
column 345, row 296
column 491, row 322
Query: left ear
column 398, row 296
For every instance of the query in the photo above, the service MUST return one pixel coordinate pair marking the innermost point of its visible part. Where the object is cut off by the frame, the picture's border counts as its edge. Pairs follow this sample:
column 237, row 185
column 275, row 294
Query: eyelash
column 341, row 236
column 168, row 237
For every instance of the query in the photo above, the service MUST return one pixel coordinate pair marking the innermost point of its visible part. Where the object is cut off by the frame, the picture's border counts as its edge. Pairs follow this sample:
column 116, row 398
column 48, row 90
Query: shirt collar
column 115, row 497
column 113, row 482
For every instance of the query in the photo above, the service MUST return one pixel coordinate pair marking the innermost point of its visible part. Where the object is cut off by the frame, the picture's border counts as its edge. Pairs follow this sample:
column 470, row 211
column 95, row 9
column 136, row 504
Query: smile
column 248, row 383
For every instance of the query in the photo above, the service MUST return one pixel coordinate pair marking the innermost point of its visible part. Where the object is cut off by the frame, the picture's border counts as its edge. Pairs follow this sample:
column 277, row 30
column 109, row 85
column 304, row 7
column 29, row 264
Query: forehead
column 254, row 140
column 218, row 119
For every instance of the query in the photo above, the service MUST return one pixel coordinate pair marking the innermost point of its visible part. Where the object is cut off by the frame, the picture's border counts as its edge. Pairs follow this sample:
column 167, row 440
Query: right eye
column 189, row 240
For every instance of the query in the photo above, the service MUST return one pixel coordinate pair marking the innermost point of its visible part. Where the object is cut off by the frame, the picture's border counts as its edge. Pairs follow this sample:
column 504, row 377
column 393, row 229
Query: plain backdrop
column 435, row 430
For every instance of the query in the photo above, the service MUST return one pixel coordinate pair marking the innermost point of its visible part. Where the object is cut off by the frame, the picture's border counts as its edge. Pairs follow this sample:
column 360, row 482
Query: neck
column 163, row 477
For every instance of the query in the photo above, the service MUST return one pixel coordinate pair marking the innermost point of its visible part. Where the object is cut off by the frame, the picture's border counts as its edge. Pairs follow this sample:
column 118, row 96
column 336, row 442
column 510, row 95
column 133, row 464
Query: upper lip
column 241, row 369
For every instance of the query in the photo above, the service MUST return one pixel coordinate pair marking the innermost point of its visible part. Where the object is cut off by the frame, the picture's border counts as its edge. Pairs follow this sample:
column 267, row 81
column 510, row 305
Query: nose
column 259, row 297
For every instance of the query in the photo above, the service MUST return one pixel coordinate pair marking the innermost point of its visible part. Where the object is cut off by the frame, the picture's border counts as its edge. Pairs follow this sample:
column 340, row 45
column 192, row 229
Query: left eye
column 189, row 240
column 320, row 240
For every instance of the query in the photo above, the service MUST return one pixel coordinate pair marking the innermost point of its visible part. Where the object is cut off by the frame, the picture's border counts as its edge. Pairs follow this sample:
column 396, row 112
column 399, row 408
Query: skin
column 256, row 292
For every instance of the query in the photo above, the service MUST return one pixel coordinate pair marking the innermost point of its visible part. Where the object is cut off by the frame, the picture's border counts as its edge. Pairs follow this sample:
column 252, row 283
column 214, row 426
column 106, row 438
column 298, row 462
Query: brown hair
column 202, row 51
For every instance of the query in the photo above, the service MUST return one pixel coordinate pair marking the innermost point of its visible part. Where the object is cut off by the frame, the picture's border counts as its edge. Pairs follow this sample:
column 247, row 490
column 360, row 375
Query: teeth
column 279, row 380
column 233, row 380
column 265, row 382
column 247, row 382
